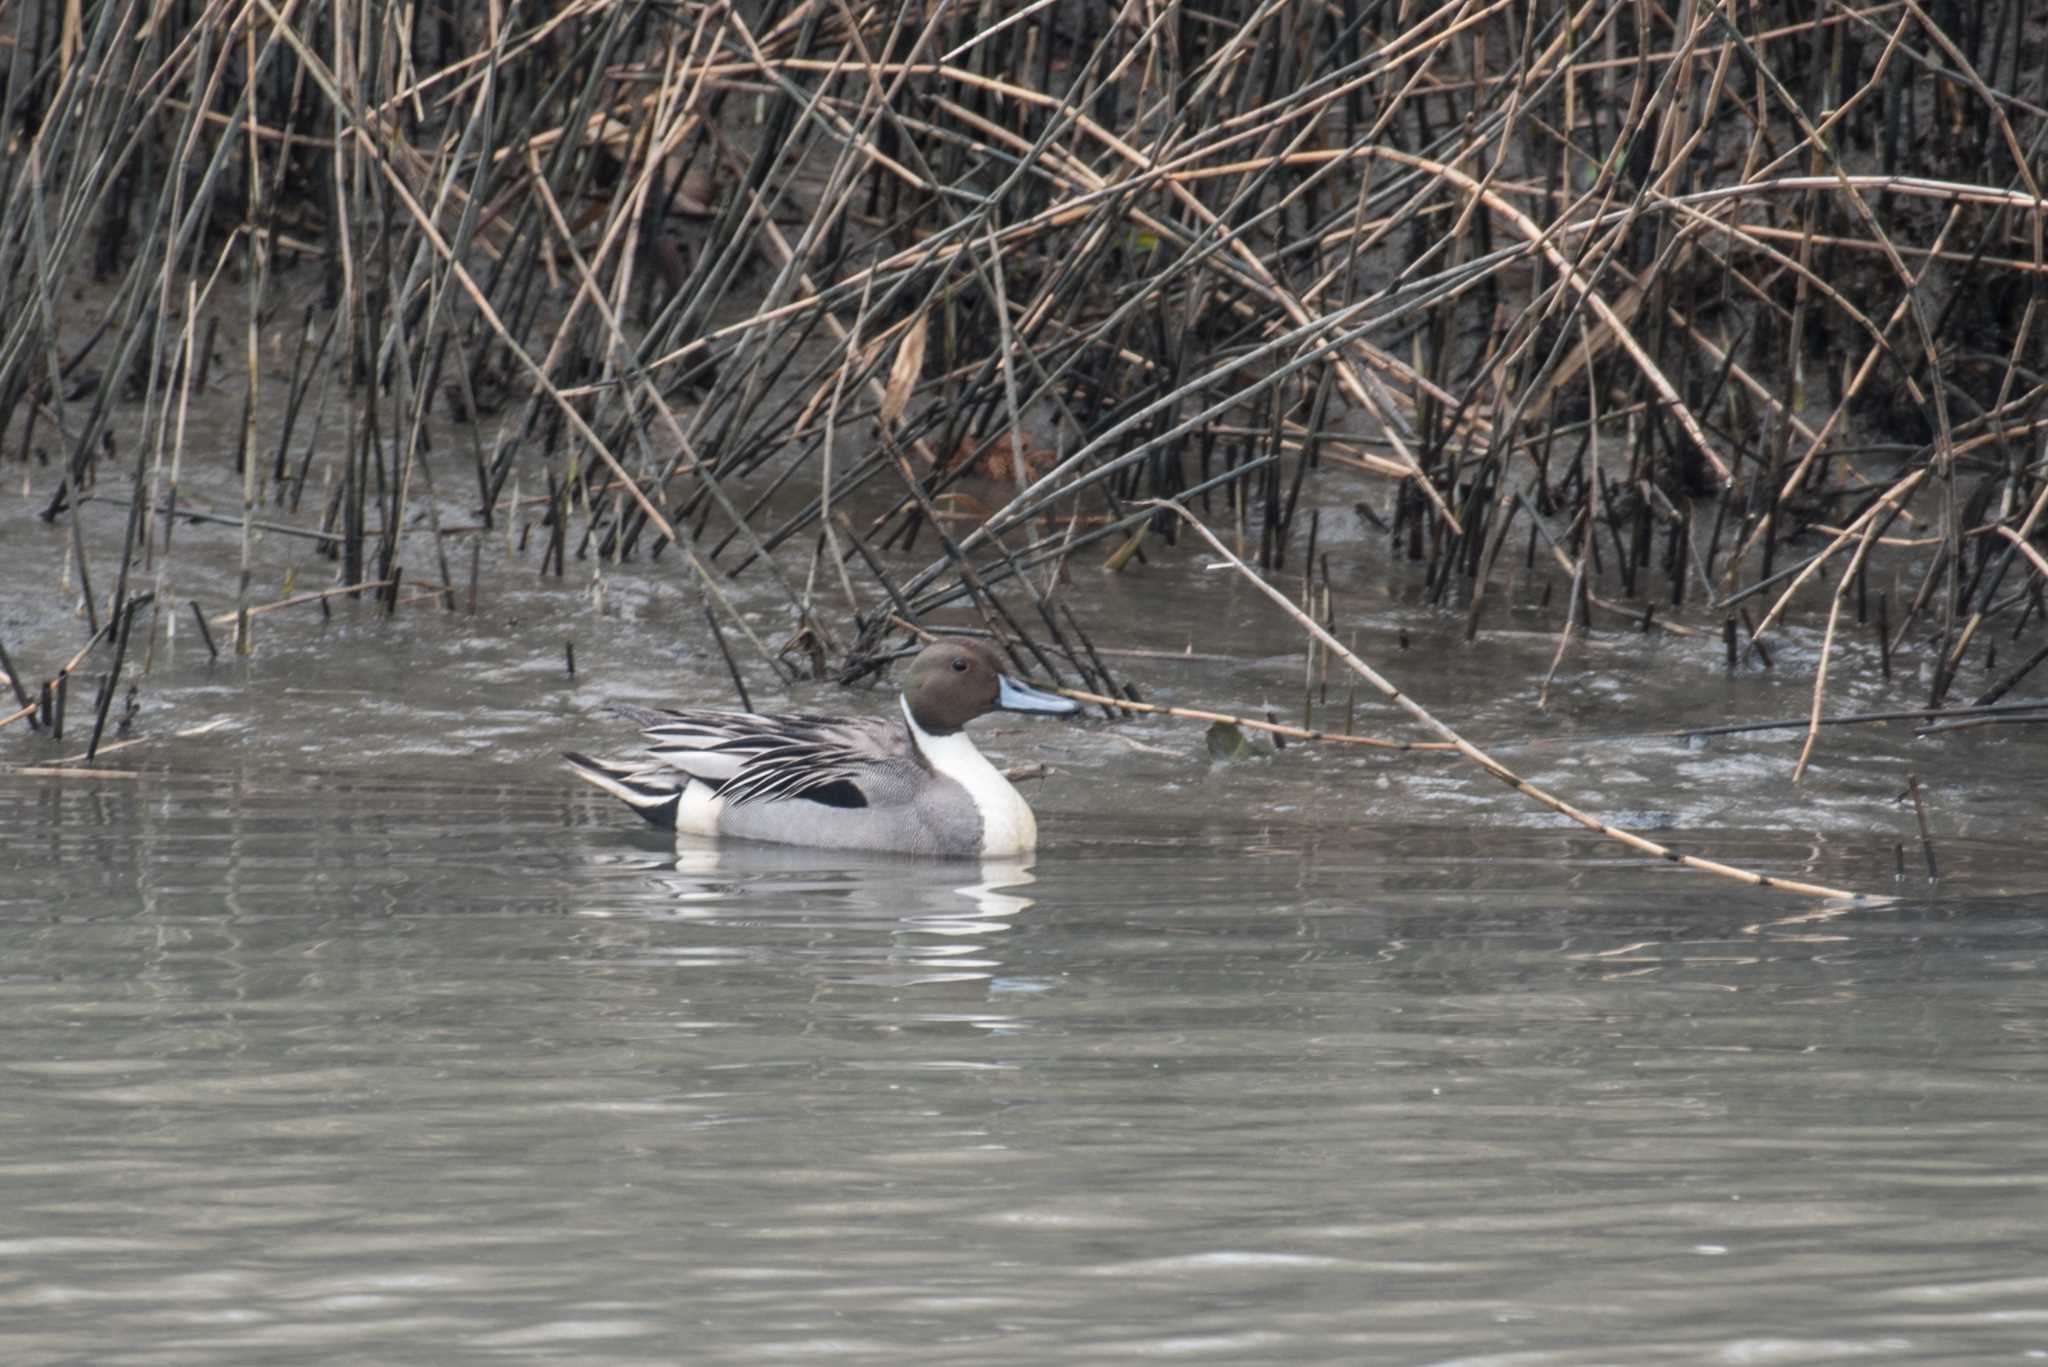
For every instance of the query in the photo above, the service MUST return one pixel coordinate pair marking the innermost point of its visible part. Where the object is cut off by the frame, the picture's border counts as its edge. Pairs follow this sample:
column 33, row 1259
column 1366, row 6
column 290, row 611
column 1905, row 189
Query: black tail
column 655, row 801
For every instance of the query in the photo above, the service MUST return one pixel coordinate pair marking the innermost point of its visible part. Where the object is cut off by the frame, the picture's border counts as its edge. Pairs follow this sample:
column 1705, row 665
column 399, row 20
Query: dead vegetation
column 1680, row 313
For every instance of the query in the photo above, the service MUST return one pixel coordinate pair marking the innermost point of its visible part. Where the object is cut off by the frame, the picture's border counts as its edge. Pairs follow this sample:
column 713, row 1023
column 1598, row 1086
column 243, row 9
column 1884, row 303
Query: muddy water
column 350, row 1029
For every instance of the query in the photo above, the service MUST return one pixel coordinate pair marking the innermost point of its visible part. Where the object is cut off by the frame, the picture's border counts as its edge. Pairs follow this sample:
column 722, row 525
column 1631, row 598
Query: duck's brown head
column 956, row 679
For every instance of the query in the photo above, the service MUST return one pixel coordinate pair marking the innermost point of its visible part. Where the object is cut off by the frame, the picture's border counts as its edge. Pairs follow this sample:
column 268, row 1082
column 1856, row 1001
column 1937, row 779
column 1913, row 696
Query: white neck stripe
column 1007, row 826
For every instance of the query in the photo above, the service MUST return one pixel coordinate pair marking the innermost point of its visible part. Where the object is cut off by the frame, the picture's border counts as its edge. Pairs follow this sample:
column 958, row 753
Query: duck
column 909, row 783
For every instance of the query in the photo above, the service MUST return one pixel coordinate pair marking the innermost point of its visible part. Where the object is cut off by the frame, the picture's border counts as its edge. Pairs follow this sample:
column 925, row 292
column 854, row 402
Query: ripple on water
column 317, row 1067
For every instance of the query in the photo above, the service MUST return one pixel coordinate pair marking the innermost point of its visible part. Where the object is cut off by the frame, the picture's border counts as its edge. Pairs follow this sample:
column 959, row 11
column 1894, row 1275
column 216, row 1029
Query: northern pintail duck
column 914, row 784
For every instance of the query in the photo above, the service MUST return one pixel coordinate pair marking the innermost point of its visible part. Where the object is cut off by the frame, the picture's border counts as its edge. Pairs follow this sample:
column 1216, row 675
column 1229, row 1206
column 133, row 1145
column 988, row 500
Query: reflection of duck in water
column 844, row 918
column 763, row 884
column 915, row 785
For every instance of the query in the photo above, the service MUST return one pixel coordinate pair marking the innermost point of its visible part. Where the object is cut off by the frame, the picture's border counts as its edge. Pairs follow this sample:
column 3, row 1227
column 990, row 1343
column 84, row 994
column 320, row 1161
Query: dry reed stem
column 1251, row 723
column 1827, row 645
column 1866, row 520
column 1480, row 758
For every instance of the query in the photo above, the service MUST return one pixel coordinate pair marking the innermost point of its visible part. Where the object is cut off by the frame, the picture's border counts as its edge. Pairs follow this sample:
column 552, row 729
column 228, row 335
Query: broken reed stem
column 235, row 615
column 1486, row 762
column 1251, row 724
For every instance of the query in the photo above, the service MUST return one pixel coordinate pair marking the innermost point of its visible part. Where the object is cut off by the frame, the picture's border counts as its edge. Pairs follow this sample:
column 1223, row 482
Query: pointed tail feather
column 655, row 801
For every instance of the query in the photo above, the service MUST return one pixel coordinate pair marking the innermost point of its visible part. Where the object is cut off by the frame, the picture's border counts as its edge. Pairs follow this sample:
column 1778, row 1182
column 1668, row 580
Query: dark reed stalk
column 1763, row 652
column 205, row 632
column 120, row 630
column 1884, row 635
column 1920, row 819
column 21, row 697
column 732, row 666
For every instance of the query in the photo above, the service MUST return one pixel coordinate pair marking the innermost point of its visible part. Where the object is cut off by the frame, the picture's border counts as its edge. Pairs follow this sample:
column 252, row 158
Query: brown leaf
column 904, row 374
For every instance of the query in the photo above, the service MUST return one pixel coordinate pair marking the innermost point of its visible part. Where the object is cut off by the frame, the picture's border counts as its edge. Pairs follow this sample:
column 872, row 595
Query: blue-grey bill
column 1012, row 696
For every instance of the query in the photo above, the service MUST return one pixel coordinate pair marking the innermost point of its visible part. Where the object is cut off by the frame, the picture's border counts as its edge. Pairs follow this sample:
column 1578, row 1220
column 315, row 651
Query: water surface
column 322, row 1068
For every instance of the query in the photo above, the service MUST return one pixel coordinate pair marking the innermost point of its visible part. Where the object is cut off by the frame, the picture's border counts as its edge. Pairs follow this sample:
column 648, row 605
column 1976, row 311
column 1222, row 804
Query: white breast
column 1007, row 826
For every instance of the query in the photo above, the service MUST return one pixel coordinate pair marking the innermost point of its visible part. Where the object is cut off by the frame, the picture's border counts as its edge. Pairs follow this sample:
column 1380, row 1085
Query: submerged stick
column 1485, row 761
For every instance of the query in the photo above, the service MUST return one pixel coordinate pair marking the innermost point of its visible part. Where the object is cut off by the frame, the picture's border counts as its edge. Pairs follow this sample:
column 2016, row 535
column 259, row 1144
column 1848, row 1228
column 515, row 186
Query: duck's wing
column 756, row 757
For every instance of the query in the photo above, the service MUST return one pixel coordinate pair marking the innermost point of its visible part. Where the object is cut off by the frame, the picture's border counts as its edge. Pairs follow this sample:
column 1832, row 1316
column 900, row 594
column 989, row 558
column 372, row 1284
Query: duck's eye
column 959, row 666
